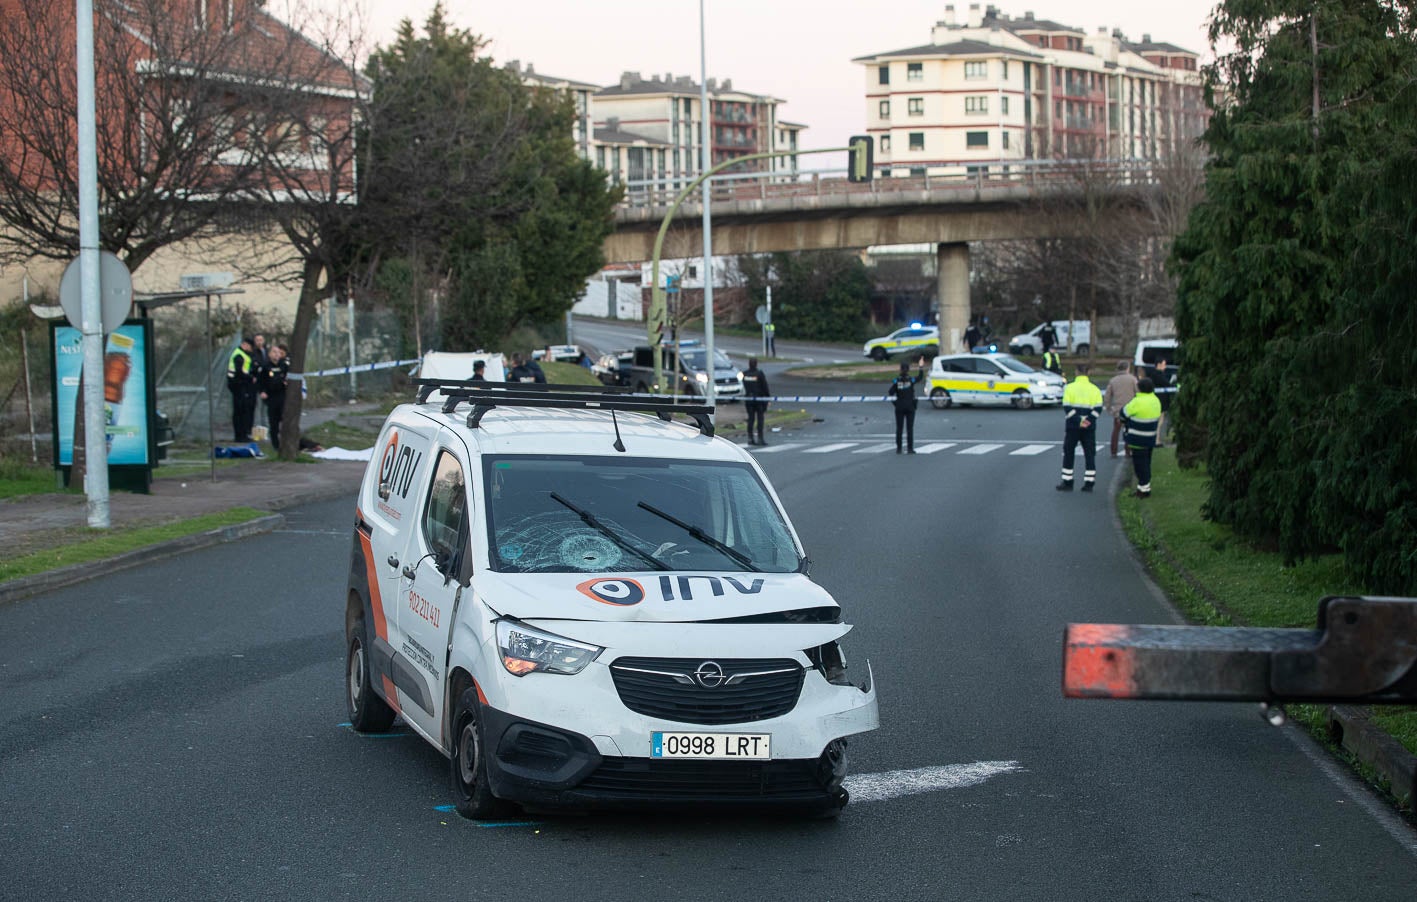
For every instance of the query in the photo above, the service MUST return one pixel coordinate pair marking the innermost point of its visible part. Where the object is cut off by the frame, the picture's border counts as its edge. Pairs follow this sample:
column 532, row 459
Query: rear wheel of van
column 472, row 796
column 940, row 398
column 368, row 713
column 1083, row 349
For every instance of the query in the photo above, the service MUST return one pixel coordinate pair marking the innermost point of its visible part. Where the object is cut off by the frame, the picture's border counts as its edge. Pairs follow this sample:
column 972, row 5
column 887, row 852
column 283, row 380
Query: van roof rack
column 485, row 396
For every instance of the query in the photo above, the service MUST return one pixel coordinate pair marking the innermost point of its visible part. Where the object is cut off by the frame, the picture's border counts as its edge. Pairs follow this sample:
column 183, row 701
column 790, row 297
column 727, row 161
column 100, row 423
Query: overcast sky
column 798, row 50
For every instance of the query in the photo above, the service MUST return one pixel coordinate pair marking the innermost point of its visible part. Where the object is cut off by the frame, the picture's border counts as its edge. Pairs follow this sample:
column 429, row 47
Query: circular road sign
column 115, row 292
column 762, row 315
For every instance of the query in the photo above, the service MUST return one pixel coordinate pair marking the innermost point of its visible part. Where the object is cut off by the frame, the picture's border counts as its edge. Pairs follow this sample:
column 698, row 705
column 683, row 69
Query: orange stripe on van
column 371, row 576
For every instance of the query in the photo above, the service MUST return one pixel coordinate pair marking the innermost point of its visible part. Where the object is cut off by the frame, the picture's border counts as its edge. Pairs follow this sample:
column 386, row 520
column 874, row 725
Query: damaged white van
column 584, row 603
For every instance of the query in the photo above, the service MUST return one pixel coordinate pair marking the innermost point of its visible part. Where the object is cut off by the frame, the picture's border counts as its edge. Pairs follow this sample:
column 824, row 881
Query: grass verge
column 18, row 478
column 1217, row 579
column 87, row 545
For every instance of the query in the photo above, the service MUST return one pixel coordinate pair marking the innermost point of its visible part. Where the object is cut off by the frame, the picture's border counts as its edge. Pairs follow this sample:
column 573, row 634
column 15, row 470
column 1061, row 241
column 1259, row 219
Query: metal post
column 95, row 444
column 29, row 398
column 707, row 164
column 211, row 402
column 353, row 378
column 570, row 330
column 772, row 340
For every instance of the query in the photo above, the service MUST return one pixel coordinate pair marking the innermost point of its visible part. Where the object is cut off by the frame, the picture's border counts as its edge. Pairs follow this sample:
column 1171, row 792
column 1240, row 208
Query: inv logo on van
column 397, row 466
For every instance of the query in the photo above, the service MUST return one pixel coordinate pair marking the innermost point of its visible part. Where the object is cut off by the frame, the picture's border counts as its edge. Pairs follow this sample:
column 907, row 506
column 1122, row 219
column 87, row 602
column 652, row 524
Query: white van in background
column 1076, row 341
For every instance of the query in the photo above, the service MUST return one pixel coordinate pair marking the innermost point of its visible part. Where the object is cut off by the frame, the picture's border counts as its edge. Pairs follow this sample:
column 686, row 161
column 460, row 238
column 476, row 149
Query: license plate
column 711, row 745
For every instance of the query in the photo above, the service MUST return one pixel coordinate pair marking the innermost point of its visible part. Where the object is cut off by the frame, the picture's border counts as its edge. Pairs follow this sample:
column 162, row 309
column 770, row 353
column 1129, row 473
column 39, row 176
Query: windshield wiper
column 590, row 520
column 704, row 537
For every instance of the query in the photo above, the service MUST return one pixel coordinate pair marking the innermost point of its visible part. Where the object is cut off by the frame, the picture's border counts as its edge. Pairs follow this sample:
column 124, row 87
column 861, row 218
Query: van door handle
column 393, row 562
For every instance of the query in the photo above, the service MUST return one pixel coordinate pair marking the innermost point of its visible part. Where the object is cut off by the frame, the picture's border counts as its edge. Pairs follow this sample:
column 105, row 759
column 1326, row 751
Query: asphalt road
column 175, row 731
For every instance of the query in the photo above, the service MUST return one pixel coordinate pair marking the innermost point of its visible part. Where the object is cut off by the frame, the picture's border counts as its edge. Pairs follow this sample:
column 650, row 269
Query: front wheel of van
column 367, row 712
column 472, row 796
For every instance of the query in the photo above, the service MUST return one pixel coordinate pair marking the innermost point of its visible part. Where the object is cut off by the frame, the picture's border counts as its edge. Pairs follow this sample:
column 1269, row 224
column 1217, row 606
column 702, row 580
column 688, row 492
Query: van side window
column 445, row 515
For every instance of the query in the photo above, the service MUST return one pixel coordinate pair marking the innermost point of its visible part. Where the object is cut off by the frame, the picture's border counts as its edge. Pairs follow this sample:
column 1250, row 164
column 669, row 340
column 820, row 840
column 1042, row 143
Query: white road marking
column 931, row 449
column 896, row 783
column 827, row 449
column 772, row 449
column 874, row 449
column 980, row 449
column 1032, row 449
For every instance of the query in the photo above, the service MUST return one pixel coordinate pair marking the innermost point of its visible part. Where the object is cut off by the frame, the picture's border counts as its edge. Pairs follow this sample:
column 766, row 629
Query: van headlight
column 702, row 377
column 830, row 661
column 526, row 650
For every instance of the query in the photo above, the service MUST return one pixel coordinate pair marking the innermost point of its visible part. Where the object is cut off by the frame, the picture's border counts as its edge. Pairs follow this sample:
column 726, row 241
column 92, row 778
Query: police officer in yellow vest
column 1142, row 416
column 1082, row 404
column 241, row 382
column 1052, row 362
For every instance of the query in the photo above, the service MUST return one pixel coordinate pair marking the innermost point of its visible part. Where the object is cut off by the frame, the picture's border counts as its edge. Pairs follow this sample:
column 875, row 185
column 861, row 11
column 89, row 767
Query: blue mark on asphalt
column 445, row 809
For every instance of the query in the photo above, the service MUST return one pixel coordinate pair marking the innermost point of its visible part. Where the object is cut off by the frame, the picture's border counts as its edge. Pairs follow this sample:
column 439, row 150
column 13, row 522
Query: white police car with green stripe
column 991, row 379
column 589, row 609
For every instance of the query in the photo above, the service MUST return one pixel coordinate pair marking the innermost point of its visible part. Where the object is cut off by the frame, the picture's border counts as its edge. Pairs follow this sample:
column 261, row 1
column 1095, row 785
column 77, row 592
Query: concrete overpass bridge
column 765, row 212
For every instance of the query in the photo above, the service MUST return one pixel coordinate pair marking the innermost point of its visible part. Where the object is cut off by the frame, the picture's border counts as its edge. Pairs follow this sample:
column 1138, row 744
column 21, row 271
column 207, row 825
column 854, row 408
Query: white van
column 583, row 603
column 1076, row 341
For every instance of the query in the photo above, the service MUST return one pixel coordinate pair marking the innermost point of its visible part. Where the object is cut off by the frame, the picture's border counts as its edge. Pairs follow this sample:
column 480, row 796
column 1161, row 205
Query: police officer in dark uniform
column 903, row 391
column 273, row 381
column 755, row 385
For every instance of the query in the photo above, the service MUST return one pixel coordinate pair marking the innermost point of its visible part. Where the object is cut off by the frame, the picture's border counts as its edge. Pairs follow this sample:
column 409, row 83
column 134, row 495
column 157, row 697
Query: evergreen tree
column 1295, row 283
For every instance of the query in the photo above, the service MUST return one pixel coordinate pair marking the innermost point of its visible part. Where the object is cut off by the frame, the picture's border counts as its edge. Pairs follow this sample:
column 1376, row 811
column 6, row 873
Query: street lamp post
column 706, row 163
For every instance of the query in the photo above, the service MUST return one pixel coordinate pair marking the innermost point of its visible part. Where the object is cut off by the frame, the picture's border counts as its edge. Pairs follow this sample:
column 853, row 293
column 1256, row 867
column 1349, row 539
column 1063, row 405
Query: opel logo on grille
column 709, row 675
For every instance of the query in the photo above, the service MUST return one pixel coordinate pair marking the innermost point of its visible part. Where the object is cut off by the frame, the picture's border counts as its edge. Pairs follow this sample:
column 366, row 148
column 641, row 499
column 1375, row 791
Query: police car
column 996, row 379
column 583, row 603
column 914, row 338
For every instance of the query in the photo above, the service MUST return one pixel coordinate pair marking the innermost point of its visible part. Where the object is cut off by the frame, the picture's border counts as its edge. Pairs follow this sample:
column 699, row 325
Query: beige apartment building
column 994, row 89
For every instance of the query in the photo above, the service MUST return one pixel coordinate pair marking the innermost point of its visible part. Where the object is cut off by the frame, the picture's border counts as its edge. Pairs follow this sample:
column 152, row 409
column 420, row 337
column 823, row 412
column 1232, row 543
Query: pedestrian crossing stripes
column 974, row 449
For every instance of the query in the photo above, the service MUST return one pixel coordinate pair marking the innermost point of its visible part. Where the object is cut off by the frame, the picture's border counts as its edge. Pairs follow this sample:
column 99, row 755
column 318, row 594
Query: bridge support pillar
column 952, row 281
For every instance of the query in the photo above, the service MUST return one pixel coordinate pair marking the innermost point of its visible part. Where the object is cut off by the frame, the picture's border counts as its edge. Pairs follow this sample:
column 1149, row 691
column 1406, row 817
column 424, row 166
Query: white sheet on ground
column 338, row 453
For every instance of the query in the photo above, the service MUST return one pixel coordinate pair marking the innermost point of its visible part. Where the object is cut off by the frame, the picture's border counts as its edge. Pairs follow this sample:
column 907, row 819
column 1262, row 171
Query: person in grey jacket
column 1121, row 388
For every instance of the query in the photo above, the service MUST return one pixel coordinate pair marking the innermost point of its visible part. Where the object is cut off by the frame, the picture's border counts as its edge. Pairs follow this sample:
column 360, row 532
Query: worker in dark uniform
column 273, row 379
column 903, row 391
column 1049, row 336
column 241, row 382
column 479, row 371
column 1142, row 417
column 1082, row 405
column 755, row 385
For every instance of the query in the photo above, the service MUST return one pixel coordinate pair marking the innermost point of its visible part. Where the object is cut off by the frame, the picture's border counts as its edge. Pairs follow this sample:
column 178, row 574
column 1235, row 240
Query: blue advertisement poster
column 125, row 392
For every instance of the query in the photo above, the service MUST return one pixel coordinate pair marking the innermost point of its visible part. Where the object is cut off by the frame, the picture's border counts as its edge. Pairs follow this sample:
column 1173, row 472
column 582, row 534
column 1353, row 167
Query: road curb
column 1370, row 744
column 25, row 586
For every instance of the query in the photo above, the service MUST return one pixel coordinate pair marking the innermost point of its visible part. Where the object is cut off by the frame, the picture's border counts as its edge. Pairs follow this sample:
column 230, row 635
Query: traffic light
column 862, row 157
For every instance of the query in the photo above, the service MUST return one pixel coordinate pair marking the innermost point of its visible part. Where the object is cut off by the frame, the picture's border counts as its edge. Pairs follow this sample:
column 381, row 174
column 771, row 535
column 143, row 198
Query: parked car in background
column 914, row 339
column 558, row 353
column 991, row 379
column 634, row 369
column 1075, row 339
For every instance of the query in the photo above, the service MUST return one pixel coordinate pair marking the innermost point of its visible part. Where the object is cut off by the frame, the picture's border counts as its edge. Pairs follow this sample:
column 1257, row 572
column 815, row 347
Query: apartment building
column 582, row 95
column 993, row 88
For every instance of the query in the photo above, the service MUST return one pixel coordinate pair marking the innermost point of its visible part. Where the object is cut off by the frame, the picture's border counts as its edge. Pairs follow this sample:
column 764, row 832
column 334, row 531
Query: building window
column 976, row 69
column 1004, row 140
column 917, row 140
column 1004, row 105
column 917, row 106
column 976, row 139
column 600, row 156
column 885, row 143
column 885, row 109
column 884, row 74
column 693, row 272
column 201, row 11
column 914, row 71
column 976, row 104
column 1004, row 70
column 917, row 172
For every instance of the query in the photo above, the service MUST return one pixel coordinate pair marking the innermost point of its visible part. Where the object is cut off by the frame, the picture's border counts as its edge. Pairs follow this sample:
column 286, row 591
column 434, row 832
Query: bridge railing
column 938, row 175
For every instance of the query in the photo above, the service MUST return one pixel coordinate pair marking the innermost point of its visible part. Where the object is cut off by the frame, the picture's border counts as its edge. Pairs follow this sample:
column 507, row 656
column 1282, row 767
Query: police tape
column 358, row 368
column 845, row 399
